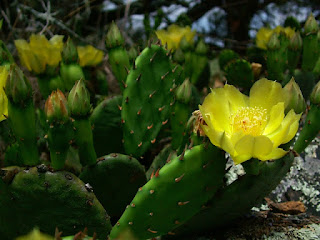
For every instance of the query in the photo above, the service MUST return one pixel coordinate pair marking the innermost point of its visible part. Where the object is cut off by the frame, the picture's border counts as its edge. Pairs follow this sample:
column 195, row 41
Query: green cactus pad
column 239, row 73
column 115, row 179
column 239, row 197
column 37, row 197
column 160, row 160
column 107, row 130
column 226, row 56
column 174, row 194
column 146, row 99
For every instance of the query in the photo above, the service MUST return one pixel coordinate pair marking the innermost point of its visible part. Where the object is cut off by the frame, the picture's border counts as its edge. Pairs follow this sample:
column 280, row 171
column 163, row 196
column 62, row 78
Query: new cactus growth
column 79, row 105
column 22, row 114
column 60, row 130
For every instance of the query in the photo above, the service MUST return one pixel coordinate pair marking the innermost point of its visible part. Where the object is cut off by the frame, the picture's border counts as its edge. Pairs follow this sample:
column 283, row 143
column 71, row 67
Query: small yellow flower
column 249, row 127
column 40, row 52
column 174, row 35
column 3, row 96
column 264, row 34
column 89, row 56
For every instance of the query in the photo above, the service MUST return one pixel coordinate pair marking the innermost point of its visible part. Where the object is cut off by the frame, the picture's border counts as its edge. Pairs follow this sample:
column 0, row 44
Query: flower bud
column 315, row 94
column 295, row 42
column 185, row 45
column 183, row 92
column 256, row 69
column 294, row 97
column 178, row 56
column 114, row 37
column 69, row 53
column 311, row 25
column 79, row 99
column 201, row 48
column 18, row 87
column 5, row 55
column 274, row 42
column 56, row 107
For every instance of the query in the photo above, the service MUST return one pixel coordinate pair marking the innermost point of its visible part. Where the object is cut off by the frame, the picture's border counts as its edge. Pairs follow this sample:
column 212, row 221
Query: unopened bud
column 18, row 88
column 311, row 25
column 56, row 107
column 315, row 94
column 294, row 97
column 183, row 92
column 201, row 48
column 114, row 37
column 178, row 56
column 79, row 99
column 69, row 53
column 295, row 42
column 185, row 45
column 274, row 42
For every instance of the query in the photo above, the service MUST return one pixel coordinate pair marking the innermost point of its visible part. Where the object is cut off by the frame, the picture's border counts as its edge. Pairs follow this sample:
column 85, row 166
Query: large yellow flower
column 40, row 52
column 264, row 34
column 248, row 127
column 89, row 56
column 173, row 36
column 3, row 96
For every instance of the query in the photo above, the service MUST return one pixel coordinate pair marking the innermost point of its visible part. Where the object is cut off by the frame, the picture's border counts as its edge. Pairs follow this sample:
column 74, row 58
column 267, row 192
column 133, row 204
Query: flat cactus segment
column 174, row 194
column 115, row 179
column 239, row 197
column 106, row 122
column 37, row 197
column 166, row 154
column 146, row 99
column 239, row 72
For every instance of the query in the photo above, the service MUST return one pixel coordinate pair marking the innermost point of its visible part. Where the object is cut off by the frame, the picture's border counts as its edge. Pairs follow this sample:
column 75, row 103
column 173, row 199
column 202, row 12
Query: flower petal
column 275, row 154
column 262, row 146
column 265, row 93
column 275, row 118
column 235, row 98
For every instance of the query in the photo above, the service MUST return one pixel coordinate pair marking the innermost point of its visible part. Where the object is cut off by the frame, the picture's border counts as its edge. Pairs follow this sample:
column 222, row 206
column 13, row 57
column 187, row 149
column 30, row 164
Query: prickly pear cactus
column 239, row 72
column 217, row 213
column 115, row 179
column 39, row 197
column 106, row 126
column 146, row 99
column 174, row 194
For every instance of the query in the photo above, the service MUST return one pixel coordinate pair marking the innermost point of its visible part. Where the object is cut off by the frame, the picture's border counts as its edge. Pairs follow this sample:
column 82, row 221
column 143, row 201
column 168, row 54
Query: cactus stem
column 153, row 56
column 153, row 141
column 139, row 112
column 140, row 144
column 152, row 231
column 183, row 203
column 151, row 94
column 165, row 122
column 149, row 127
column 138, row 78
column 178, row 179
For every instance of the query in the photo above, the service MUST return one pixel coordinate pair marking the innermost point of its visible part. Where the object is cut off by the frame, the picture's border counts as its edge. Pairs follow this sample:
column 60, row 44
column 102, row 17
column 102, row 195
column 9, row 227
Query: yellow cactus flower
column 262, row 37
column 264, row 34
column 35, row 234
column 173, row 36
column 40, row 52
column 249, row 127
column 89, row 56
column 3, row 96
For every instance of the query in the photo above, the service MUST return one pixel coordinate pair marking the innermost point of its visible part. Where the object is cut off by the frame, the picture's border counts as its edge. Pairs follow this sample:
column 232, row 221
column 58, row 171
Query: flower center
column 250, row 120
